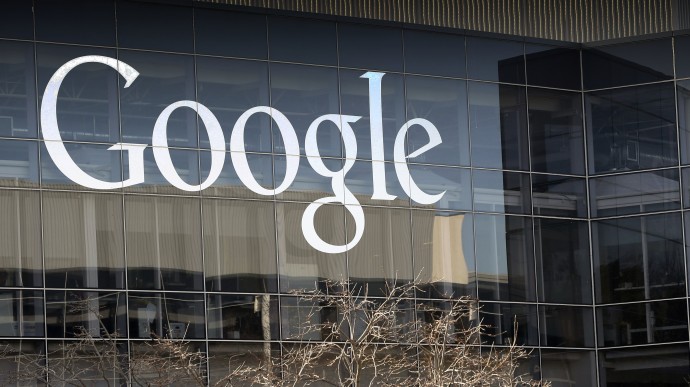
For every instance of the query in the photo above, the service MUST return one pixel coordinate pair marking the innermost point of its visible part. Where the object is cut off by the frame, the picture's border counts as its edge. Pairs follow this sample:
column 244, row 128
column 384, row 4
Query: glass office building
column 560, row 180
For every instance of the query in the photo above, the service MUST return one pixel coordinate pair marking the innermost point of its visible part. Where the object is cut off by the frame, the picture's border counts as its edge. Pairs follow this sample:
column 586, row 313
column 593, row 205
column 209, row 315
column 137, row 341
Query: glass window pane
column 645, row 323
column 651, row 366
column 554, row 195
column 20, row 238
column 229, row 184
column 87, row 101
column 566, row 326
column 185, row 163
column 563, row 267
column 370, row 47
column 501, row 320
column 81, row 21
column 627, row 64
column 683, row 95
column 22, row 313
column 495, row 60
column 225, row 357
column 94, row 159
column 443, row 247
column 307, row 185
column 18, row 96
column 354, row 91
column 631, row 128
column 497, row 191
column 682, row 52
column 638, row 258
column 163, row 80
column 242, row 317
column 434, row 53
column 384, row 254
column 17, row 19
column 167, row 315
column 633, row 193
column 73, row 312
column 552, row 66
column 498, row 126
column 229, row 87
column 566, row 368
column 300, row 265
column 83, row 240
column 18, row 163
column 454, row 183
column 505, row 269
column 302, row 40
column 556, row 132
column 443, row 102
column 163, row 243
column 239, row 246
column 359, row 180
column 302, row 94
column 244, row 34
column 173, row 26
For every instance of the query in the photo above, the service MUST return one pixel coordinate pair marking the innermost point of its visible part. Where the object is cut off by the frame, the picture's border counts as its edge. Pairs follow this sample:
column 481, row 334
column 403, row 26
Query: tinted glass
column 163, row 80
column 168, row 315
column 18, row 99
column 360, row 181
column 495, row 60
column 627, row 64
column 307, row 185
column 505, row 269
column 17, row 19
column 239, row 246
column 452, row 183
column 242, row 317
column 22, row 313
column 562, row 248
column 443, row 247
column 683, row 96
column 631, row 128
column 72, row 313
column 638, row 258
column 86, row 107
column 569, row 367
column 434, row 53
column 552, row 66
column 654, row 322
column 155, row 26
column 163, row 243
column 20, row 238
column 244, row 34
column 682, row 52
column 661, row 365
column 302, row 40
column 81, row 21
column 633, row 193
column 370, row 47
column 185, row 164
column 508, row 322
column 566, row 326
column 443, row 102
column 554, row 195
column 18, row 163
column 229, row 184
column 498, row 126
column 496, row 191
column 229, row 87
column 302, row 94
column 83, row 240
column 94, row 159
column 556, row 132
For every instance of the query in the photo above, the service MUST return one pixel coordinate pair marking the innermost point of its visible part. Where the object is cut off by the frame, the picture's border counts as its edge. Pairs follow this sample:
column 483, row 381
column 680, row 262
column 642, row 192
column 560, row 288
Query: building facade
column 178, row 163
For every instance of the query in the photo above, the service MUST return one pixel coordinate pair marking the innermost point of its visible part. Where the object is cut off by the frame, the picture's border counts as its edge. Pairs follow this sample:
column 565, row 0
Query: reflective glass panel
column 498, row 126
column 360, row 181
column 566, row 326
column 163, row 243
column 83, row 240
column 683, row 96
column 443, row 247
column 508, row 322
column 22, row 313
column 18, row 91
column 94, row 159
column 627, row 63
column 302, row 40
column 20, row 238
column 168, row 315
column 81, row 21
column 556, row 132
column 185, row 164
column 682, row 52
column 244, row 34
column 224, row 357
column 505, row 257
column 452, row 183
column 665, row 365
column 443, row 102
column 559, row 196
column 72, row 313
column 495, row 60
column 239, row 246
column 497, row 191
column 633, row 193
column 563, row 265
column 565, row 368
column 553, row 66
column 242, row 317
column 434, row 53
column 638, row 258
column 17, row 19
column 370, row 47
column 631, row 128
column 229, row 184
column 155, row 26
column 307, row 185
column 645, row 323
column 18, row 163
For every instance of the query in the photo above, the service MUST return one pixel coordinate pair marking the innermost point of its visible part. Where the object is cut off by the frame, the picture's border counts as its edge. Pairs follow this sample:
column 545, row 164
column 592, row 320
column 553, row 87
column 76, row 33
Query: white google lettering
column 342, row 195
